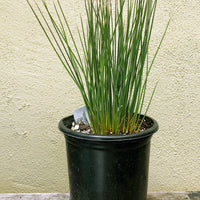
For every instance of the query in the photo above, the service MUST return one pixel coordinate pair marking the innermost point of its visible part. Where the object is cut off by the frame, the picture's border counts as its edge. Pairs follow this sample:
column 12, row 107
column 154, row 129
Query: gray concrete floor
column 61, row 196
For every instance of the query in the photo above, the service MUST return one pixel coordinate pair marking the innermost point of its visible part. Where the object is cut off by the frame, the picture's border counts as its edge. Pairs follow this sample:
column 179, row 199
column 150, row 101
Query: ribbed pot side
column 104, row 167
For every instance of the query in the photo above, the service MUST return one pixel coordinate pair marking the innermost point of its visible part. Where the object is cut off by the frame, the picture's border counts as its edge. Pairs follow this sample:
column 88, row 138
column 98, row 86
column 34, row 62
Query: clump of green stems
column 112, row 73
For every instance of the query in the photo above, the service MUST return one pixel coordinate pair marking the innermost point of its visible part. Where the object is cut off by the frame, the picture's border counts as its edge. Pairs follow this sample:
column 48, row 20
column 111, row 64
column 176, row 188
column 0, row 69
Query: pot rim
column 67, row 121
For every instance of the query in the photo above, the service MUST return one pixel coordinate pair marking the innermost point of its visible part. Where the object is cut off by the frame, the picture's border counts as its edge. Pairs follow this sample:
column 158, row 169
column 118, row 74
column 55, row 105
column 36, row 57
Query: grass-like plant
column 112, row 68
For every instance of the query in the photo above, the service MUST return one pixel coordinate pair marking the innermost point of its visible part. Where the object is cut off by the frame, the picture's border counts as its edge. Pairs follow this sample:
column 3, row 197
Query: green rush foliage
column 112, row 68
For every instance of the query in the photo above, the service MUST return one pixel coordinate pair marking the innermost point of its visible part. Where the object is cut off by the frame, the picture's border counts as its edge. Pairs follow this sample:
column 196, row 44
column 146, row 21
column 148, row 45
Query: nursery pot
column 107, row 167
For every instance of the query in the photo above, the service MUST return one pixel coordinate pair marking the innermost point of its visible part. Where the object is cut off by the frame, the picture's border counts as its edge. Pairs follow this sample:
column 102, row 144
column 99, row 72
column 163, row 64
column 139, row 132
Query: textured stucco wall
column 36, row 92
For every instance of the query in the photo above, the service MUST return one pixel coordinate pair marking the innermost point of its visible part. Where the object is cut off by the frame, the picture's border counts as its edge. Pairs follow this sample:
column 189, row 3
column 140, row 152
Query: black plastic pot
column 107, row 167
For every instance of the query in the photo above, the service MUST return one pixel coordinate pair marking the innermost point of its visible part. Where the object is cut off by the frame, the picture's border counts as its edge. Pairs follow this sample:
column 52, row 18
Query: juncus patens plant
column 113, row 71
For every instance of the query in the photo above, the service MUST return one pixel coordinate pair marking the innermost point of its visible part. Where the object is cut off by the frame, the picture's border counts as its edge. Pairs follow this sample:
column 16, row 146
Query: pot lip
column 106, row 138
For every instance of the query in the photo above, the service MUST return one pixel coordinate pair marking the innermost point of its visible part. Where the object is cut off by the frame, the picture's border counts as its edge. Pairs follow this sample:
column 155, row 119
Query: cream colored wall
column 36, row 93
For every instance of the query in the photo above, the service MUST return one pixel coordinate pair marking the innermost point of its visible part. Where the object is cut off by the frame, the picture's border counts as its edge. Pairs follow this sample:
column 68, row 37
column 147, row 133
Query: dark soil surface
column 84, row 128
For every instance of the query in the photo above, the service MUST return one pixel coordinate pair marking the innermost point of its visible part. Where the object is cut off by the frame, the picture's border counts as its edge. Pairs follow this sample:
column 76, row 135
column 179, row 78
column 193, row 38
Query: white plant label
column 81, row 115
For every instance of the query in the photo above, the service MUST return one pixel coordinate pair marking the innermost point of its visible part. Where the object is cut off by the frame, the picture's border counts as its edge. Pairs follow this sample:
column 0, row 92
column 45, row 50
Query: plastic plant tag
column 81, row 115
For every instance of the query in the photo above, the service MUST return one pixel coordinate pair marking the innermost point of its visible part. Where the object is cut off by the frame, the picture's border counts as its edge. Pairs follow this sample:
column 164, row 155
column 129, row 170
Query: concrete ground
column 60, row 196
